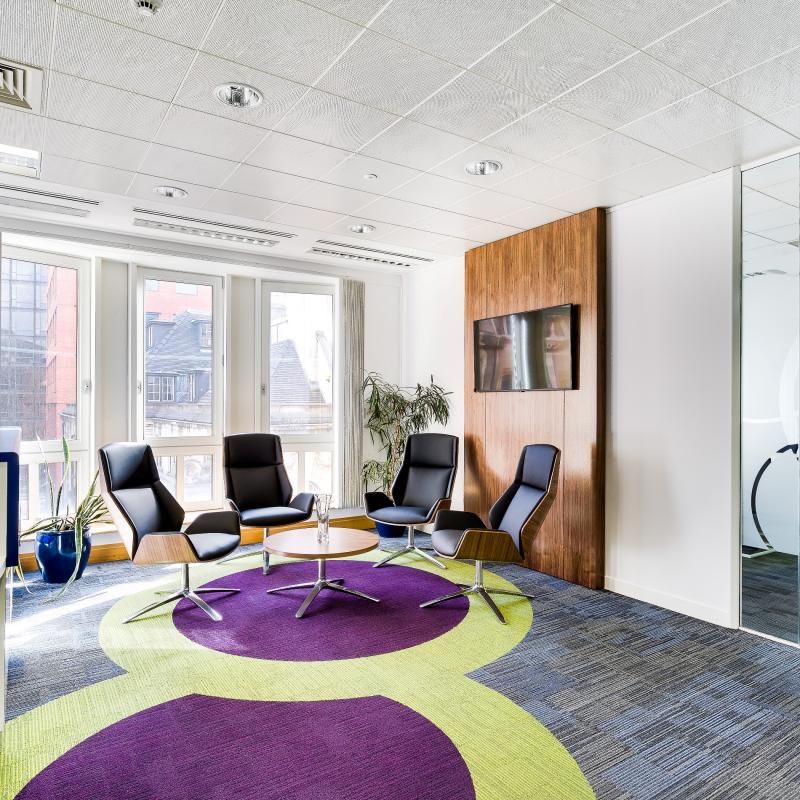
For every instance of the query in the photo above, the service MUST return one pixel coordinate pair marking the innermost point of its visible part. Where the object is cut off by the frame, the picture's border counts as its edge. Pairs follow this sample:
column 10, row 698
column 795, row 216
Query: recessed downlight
column 238, row 95
column 171, row 191
column 482, row 167
column 370, row 176
column 362, row 227
column 146, row 8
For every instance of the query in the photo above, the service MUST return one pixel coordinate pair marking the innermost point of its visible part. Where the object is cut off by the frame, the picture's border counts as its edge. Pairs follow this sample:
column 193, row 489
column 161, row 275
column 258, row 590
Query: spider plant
column 88, row 511
column 392, row 414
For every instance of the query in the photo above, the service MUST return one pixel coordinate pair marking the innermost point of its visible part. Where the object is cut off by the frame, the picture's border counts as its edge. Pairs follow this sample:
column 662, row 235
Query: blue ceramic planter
column 384, row 529
column 55, row 554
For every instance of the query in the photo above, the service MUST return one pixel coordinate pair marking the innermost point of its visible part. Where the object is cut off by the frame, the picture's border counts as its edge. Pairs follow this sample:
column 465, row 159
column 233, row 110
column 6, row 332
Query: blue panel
column 12, row 508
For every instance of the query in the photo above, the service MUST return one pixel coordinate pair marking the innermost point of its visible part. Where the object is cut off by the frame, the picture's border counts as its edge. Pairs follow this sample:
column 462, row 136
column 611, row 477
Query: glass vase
column 323, row 505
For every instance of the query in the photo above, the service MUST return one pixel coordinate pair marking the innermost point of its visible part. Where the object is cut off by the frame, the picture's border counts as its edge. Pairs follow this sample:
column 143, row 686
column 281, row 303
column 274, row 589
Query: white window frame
column 302, row 442
column 180, row 446
column 33, row 453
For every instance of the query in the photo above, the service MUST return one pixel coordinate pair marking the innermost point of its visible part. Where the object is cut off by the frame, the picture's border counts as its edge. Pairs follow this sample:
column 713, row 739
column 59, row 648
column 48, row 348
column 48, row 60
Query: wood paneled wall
column 563, row 262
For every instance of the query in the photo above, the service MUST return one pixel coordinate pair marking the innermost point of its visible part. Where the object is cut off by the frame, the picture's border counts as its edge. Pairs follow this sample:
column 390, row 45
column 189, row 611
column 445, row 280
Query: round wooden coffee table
column 342, row 542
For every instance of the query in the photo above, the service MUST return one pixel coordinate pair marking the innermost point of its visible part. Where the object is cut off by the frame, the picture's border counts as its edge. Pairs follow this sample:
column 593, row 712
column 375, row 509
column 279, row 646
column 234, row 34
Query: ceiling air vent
column 40, row 200
column 226, row 225
column 372, row 250
column 322, row 251
column 20, row 86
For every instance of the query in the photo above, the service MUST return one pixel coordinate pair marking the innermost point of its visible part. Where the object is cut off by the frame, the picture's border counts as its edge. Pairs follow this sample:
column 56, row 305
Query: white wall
column 672, row 498
column 435, row 342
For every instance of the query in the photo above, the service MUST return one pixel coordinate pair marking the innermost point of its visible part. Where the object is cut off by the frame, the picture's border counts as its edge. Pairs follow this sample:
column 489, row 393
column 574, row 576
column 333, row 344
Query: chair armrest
column 457, row 521
column 375, row 501
column 303, row 502
column 230, row 505
column 215, row 522
column 486, row 545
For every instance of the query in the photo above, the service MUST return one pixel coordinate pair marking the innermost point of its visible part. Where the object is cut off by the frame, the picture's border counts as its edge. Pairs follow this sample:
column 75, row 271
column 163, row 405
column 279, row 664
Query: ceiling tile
column 181, row 21
column 341, row 229
column 101, row 51
column 773, row 218
column 303, row 217
column 534, row 215
column 386, row 74
column 208, row 72
column 601, row 195
column 432, row 190
column 755, row 201
column 143, row 187
column 103, row 107
column 786, row 192
column 736, row 36
column 427, row 242
column 338, row 199
column 449, row 223
column 96, row 147
column 556, row 52
column 758, row 140
column 473, row 106
column 21, row 128
column 241, row 205
column 774, row 172
column 291, row 39
column 416, row 145
column 460, row 31
column 541, row 183
column 637, row 86
column 751, row 241
column 639, row 22
column 289, row 153
column 490, row 205
column 688, row 121
column 183, row 165
column 512, row 165
column 788, row 119
column 397, row 212
column 607, row 156
column 358, row 11
column 655, row 176
column 267, row 183
column 334, row 121
column 352, row 171
column 784, row 234
column 25, row 31
column 546, row 133
column 776, row 256
column 85, row 176
column 204, row 133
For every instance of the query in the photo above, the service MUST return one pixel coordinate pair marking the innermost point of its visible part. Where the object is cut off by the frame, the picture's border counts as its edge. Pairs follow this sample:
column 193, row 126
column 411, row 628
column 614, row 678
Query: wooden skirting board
column 115, row 551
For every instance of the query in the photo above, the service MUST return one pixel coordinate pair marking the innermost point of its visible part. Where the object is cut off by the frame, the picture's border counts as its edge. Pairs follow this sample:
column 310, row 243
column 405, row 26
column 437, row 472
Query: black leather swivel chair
column 515, row 520
column 257, row 486
column 422, row 488
column 149, row 520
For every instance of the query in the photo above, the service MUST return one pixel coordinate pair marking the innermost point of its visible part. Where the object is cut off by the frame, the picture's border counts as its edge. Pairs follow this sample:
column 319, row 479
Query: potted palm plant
column 392, row 413
column 63, row 539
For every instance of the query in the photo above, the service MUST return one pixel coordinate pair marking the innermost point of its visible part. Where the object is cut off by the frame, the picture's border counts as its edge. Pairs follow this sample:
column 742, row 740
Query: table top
column 303, row 543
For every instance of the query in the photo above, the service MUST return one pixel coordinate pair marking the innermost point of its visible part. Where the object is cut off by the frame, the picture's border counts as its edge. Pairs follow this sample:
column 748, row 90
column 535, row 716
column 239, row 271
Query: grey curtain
column 353, row 375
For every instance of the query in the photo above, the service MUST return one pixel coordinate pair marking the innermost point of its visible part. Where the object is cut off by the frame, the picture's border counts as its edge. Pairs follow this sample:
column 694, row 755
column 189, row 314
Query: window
column 160, row 388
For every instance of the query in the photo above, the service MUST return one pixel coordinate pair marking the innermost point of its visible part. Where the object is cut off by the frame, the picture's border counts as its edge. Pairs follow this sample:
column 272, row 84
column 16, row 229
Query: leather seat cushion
column 210, row 546
column 446, row 542
column 272, row 516
column 401, row 515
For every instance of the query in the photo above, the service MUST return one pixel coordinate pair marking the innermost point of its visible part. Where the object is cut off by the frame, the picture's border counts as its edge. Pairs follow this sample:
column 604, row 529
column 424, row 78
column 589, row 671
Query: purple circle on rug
column 336, row 625
column 367, row 748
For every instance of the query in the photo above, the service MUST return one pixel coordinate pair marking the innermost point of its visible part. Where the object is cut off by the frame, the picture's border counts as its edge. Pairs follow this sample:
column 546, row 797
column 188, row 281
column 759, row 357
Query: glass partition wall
column 770, row 471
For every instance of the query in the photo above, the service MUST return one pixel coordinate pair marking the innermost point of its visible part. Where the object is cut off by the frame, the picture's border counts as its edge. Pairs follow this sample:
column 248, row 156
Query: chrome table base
column 190, row 594
column 481, row 590
column 317, row 586
column 410, row 547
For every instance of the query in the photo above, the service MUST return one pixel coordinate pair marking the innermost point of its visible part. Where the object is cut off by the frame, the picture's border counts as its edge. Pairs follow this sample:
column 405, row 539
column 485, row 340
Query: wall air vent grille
column 225, row 225
column 322, row 251
column 372, row 250
column 206, row 233
column 38, row 205
column 20, row 86
column 7, row 187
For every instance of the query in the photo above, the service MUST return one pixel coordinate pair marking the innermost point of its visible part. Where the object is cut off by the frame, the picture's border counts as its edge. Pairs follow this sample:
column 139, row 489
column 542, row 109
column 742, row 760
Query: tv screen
column 526, row 352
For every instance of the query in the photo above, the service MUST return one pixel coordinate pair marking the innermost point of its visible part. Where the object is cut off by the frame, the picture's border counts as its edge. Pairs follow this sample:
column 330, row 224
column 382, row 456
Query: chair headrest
column 432, row 450
column 252, row 450
column 127, row 465
column 536, row 465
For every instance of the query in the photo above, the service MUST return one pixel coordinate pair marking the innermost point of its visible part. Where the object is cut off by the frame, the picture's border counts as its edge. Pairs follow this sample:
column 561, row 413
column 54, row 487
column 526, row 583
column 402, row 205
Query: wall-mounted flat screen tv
column 533, row 350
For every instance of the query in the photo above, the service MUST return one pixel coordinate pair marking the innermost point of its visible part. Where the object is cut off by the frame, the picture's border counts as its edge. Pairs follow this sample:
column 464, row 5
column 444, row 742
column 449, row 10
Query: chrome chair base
column 480, row 589
column 190, row 594
column 410, row 547
column 264, row 555
column 322, row 582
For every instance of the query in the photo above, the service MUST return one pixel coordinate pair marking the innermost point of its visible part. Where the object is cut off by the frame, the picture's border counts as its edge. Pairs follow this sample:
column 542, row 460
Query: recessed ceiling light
column 19, row 161
column 482, row 167
column 146, row 8
column 238, row 95
column 171, row 191
column 205, row 233
column 370, row 176
column 362, row 227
